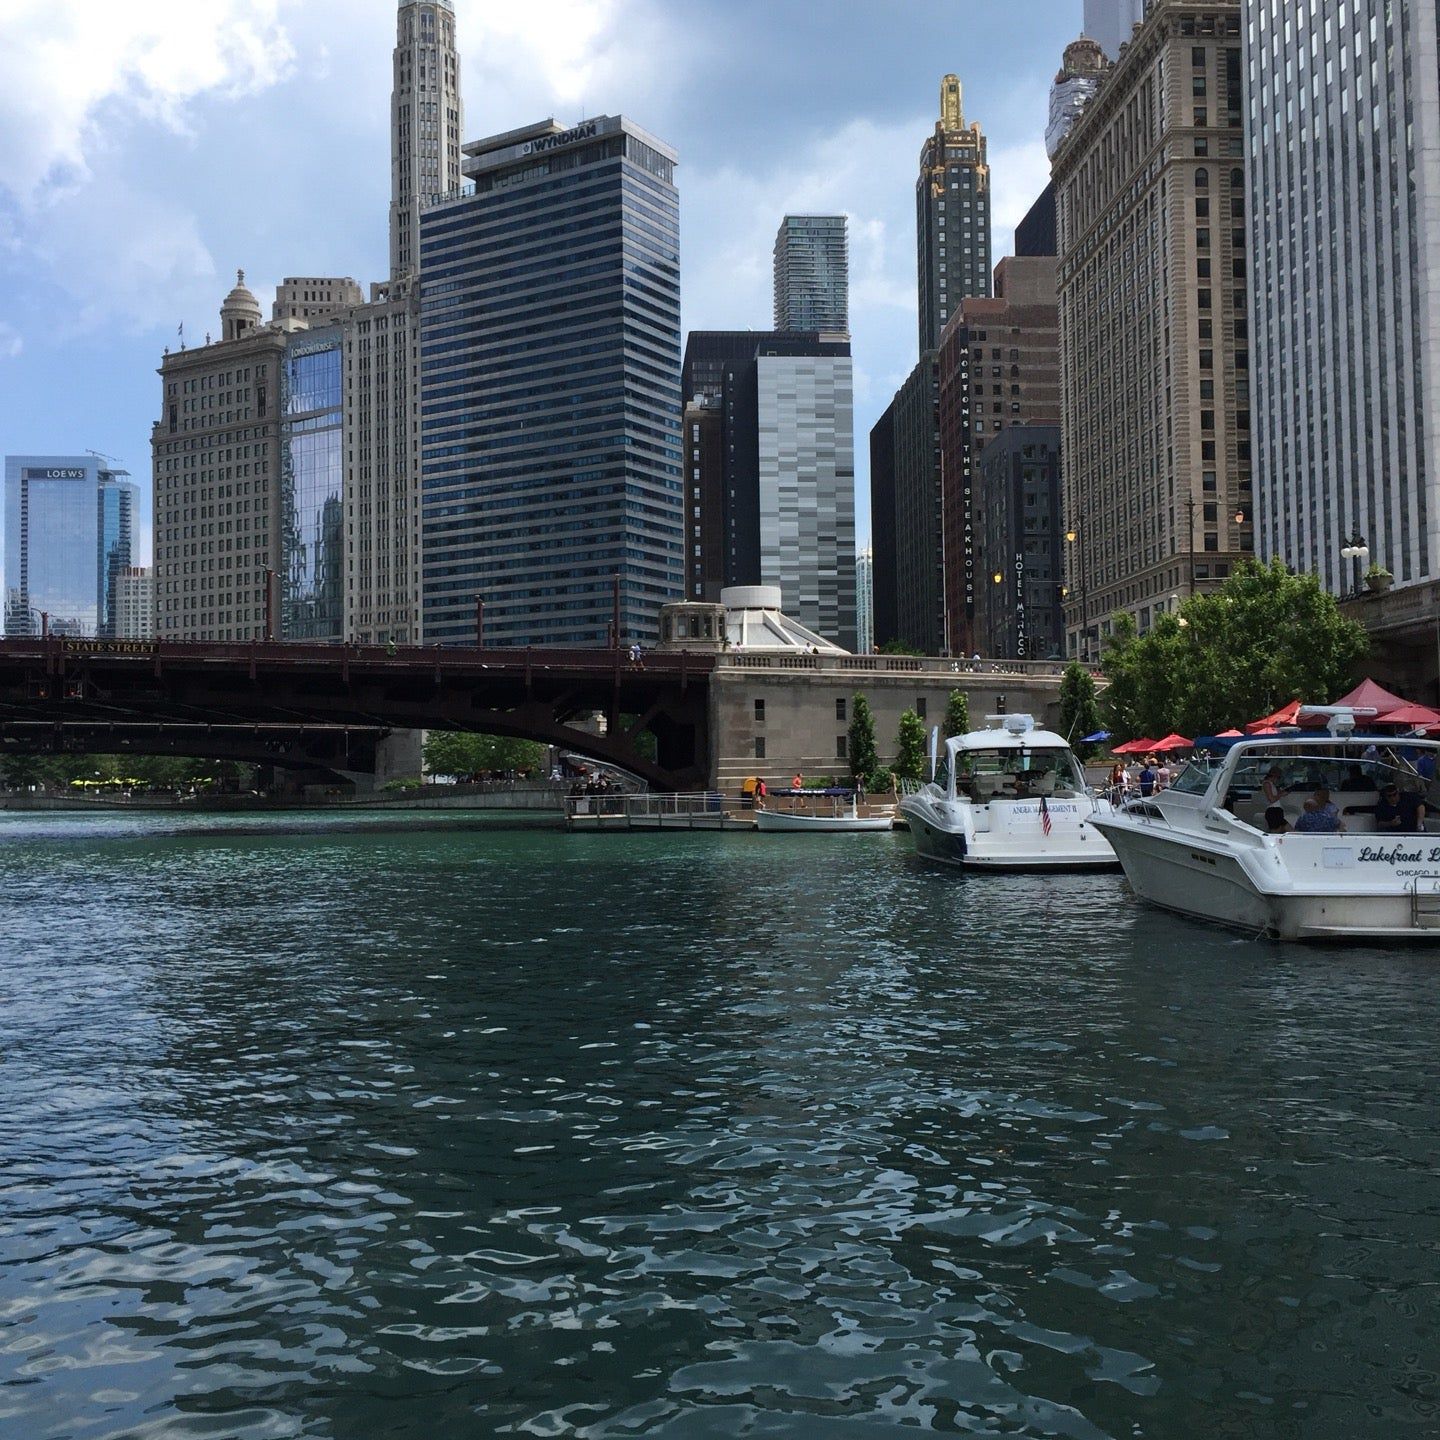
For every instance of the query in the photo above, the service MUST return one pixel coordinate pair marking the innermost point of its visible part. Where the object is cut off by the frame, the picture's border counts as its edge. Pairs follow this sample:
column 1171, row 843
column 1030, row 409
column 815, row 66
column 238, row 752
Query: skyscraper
column 69, row 535
column 952, row 216
column 1154, row 324
column 1112, row 22
column 1344, row 204
column 914, row 527
column 812, row 274
column 135, row 604
column 550, row 395
column 780, row 471
column 427, row 122
column 865, row 601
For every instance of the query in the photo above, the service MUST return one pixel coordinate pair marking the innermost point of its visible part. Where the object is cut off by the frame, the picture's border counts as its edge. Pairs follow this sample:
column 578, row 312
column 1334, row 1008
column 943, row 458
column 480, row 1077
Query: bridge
column 333, row 704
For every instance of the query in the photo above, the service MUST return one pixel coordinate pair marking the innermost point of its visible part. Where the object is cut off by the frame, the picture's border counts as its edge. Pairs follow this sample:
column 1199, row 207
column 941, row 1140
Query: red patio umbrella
column 1238, row 734
column 1134, row 747
column 1171, row 742
column 1285, row 715
column 1409, row 715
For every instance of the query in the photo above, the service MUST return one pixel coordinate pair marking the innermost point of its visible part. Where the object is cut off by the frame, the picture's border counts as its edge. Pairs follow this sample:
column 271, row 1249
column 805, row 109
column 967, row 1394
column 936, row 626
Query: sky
column 150, row 149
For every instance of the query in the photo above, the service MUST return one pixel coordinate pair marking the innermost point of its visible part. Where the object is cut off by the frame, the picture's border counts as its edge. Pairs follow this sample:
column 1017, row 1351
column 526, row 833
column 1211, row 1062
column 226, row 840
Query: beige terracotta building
column 1154, row 324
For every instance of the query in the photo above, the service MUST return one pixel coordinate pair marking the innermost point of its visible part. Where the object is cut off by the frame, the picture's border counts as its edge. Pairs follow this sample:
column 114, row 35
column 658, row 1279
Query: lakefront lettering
column 1369, row 854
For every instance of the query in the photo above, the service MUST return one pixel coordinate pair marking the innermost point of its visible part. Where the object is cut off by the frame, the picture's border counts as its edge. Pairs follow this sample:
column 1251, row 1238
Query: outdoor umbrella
column 1171, row 742
column 1134, row 747
column 1105, row 735
column 1285, row 715
column 1238, row 734
column 1409, row 715
column 1367, row 695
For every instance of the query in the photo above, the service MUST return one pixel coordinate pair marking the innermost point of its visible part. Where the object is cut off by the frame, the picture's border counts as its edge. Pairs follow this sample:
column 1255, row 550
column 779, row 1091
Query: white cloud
column 71, row 68
column 1019, row 173
column 11, row 343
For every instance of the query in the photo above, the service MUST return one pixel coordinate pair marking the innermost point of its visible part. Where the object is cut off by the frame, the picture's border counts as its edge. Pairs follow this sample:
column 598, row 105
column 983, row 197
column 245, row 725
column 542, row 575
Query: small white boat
column 1009, row 797
column 818, row 813
column 1205, row 846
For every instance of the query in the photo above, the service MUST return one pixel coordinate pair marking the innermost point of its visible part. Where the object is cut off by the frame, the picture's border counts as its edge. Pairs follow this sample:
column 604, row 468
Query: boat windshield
column 983, row 775
column 1353, row 772
column 1195, row 778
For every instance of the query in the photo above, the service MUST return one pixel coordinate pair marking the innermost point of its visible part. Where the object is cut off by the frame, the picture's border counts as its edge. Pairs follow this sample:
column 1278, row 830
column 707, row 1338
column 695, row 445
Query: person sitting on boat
column 1320, row 816
column 1400, row 810
column 1275, row 821
column 1355, row 779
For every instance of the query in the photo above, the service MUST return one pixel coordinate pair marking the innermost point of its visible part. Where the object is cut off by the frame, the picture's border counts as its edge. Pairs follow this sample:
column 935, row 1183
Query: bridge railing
column 899, row 664
column 647, row 810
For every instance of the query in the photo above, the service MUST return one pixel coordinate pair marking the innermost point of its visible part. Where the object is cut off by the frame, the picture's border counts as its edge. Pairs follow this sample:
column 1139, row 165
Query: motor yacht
column 1252, row 844
column 1009, row 797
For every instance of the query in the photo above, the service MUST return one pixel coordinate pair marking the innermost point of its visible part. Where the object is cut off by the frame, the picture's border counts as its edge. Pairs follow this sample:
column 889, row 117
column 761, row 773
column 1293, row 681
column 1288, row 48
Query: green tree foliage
column 957, row 714
column 1265, row 637
column 1079, row 709
column 863, row 758
column 898, row 647
column 454, row 752
column 910, row 759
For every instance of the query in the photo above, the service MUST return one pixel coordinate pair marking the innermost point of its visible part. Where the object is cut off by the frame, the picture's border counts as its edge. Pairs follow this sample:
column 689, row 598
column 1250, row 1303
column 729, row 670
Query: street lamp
column 1356, row 548
column 1083, row 639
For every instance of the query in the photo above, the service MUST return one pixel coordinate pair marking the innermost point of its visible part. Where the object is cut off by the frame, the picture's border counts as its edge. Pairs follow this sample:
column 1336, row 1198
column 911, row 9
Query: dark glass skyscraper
column 550, row 389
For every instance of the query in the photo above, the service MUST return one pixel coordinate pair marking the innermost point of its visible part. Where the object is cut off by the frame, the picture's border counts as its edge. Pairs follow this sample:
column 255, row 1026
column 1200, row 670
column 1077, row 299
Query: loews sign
column 70, row 473
column 586, row 131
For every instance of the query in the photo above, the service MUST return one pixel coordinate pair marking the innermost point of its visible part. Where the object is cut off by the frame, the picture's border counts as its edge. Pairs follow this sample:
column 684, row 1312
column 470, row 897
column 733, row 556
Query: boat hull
column 951, row 837
column 783, row 820
column 1282, row 893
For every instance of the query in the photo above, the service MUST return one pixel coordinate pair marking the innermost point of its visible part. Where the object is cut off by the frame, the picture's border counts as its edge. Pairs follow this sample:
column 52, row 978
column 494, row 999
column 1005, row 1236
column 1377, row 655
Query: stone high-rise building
column 1154, row 324
column 999, row 369
column 952, row 216
column 427, row 122
column 1344, row 206
column 812, row 274
column 135, row 603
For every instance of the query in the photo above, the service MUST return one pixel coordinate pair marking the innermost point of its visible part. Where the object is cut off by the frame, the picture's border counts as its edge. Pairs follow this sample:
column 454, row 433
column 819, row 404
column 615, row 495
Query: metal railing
column 701, row 810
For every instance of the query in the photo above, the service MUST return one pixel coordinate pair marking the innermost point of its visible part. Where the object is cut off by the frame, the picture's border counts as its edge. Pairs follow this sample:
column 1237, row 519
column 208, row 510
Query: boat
column 819, row 812
column 1205, row 846
column 1008, row 797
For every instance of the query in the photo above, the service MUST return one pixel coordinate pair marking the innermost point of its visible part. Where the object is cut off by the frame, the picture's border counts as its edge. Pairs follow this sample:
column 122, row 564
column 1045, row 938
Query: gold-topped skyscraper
column 952, row 216
column 427, row 119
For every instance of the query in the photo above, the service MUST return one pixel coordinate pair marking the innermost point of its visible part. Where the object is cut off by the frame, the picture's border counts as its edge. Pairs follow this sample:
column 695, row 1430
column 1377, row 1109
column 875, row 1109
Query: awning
column 1105, row 735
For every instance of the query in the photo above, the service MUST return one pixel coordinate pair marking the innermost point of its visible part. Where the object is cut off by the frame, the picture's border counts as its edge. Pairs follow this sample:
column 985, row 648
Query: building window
column 840, row 709
column 759, row 747
column 759, row 709
column 841, row 748
column 920, row 706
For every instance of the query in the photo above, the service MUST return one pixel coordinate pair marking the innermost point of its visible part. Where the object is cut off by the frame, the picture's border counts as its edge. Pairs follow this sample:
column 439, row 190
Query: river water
column 467, row 1128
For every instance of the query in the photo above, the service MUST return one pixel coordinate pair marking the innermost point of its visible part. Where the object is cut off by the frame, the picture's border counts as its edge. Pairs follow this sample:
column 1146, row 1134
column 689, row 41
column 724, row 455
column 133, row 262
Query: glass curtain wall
column 312, row 478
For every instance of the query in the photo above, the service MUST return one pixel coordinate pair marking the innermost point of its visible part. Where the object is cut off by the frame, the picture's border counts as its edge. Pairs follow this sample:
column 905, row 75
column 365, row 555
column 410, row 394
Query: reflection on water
column 479, row 1130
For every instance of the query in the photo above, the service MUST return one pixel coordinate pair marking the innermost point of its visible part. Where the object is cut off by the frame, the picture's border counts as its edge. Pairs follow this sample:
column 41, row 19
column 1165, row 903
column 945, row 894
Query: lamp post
column 1356, row 548
column 1077, row 569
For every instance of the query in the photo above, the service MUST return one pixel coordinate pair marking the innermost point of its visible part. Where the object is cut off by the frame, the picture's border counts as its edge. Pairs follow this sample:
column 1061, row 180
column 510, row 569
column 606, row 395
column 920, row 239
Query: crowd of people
column 1154, row 773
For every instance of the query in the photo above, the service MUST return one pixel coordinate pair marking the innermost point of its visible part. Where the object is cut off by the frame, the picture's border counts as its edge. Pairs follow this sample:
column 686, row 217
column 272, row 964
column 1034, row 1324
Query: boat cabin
column 1009, row 761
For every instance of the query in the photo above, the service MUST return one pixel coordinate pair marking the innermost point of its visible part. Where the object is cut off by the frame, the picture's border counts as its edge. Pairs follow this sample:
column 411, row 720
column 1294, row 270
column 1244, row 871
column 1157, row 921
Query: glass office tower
column 550, row 389
column 69, row 531
column 312, row 488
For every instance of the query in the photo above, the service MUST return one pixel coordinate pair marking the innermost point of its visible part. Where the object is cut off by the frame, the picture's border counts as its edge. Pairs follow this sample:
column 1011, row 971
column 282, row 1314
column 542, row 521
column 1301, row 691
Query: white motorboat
column 818, row 812
column 1009, row 797
column 1249, row 843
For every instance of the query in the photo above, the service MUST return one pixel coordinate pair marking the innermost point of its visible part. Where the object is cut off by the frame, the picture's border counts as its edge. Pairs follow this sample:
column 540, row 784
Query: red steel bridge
column 328, row 705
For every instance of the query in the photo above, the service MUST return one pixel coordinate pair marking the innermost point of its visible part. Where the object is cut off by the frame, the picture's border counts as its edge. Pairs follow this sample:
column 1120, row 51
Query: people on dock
column 797, row 782
column 1148, row 777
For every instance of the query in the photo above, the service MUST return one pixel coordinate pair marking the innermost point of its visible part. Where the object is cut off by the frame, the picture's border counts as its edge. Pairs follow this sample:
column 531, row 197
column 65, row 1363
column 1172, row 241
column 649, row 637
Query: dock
column 706, row 810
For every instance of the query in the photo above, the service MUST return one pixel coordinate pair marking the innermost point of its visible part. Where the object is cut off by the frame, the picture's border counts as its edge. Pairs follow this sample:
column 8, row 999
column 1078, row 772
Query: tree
column 910, row 759
column 1266, row 636
column 860, row 749
column 455, row 752
column 1079, row 712
column 957, row 714
column 898, row 647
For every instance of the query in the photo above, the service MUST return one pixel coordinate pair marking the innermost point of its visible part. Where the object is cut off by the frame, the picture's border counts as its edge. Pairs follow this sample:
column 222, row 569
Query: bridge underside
column 549, row 696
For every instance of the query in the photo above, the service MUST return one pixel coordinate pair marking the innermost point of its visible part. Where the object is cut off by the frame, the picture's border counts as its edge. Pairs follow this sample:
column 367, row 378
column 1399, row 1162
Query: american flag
column 1044, row 815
